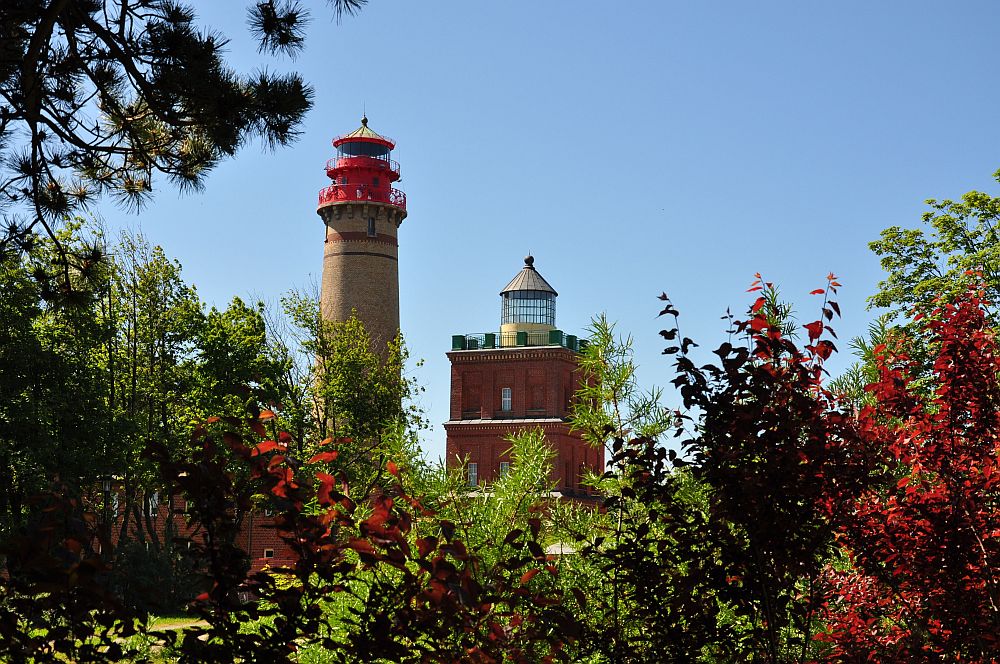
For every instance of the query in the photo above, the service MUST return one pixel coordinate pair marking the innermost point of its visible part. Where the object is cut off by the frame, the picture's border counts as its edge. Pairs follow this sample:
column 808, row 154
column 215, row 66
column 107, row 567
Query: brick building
column 164, row 519
column 523, row 377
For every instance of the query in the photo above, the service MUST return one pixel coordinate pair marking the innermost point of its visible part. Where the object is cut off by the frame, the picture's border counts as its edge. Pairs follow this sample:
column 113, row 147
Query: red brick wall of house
column 543, row 381
column 257, row 535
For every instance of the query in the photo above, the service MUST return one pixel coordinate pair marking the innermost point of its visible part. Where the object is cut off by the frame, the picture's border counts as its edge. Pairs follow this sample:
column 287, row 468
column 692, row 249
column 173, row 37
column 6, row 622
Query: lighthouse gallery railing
column 337, row 193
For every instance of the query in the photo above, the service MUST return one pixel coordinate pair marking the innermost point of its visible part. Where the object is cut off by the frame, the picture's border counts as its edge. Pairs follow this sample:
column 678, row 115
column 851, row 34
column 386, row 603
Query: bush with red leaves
column 418, row 599
column 924, row 580
column 775, row 454
column 729, row 551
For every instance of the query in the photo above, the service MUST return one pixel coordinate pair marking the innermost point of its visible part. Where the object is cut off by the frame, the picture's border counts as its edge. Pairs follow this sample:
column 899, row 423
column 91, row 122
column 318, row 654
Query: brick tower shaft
column 360, row 271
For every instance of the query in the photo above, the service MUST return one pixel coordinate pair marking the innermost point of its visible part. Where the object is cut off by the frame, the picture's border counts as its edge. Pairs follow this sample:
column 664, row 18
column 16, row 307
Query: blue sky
column 654, row 146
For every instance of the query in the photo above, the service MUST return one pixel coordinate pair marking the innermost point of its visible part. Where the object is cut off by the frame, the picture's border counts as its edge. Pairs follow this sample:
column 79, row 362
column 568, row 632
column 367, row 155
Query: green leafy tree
column 51, row 424
column 610, row 403
column 234, row 363
column 86, row 384
column 484, row 516
column 957, row 246
column 617, row 568
column 960, row 241
column 359, row 393
column 152, row 319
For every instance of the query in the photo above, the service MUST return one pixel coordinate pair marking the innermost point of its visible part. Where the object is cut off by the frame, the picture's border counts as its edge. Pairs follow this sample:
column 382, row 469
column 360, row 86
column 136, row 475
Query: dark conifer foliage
column 99, row 98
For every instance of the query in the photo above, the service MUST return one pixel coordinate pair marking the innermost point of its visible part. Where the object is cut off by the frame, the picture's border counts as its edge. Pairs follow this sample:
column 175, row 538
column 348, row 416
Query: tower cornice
column 512, row 354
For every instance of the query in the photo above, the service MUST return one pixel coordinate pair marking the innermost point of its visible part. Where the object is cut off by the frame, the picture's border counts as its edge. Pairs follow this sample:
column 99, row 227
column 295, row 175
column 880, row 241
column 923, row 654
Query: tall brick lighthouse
column 523, row 377
column 362, row 213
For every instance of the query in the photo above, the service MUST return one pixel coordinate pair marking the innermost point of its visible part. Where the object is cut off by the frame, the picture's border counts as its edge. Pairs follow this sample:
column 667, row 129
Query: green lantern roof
column 363, row 133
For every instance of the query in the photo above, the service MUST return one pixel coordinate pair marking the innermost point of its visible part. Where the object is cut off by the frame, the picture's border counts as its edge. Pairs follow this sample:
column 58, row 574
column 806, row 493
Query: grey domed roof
column 528, row 279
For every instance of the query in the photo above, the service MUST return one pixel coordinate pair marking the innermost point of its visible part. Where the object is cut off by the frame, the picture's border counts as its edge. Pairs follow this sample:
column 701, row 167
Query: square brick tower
column 523, row 377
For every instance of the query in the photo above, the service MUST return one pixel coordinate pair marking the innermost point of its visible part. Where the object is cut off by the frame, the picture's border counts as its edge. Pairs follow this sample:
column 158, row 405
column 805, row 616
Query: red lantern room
column 363, row 169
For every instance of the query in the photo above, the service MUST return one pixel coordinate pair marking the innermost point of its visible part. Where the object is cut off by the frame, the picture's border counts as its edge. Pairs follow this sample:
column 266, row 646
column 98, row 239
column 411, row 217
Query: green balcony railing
column 490, row 340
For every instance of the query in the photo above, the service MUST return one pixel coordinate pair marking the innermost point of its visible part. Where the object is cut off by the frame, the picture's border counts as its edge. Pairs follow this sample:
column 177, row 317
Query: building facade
column 522, row 377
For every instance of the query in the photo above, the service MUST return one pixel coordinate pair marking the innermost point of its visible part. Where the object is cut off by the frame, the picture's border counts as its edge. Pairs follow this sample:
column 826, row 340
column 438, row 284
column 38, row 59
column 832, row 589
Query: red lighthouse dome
column 363, row 170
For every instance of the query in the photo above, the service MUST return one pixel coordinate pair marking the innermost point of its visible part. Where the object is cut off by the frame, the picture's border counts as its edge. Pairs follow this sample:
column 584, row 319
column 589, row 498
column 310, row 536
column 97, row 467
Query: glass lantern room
column 537, row 307
column 363, row 142
column 528, row 300
column 363, row 149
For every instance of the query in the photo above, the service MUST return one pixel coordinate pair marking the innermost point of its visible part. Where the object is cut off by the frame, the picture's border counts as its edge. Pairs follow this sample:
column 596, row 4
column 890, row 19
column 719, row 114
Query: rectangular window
column 154, row 504
column 504, row 468
column 375, row 182
column 269, row 553
column 473, row 474
column 506, row 399
column 371, row 226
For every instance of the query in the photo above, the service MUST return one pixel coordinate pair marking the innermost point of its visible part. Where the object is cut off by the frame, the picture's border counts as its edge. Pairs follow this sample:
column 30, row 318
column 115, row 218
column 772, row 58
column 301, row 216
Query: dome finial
column 529, row 260
column 364, row 120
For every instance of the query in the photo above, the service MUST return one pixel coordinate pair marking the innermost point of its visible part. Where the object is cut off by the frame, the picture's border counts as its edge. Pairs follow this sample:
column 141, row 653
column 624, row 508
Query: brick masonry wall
column 542, row 381
column 361, row 272
column 257, row 536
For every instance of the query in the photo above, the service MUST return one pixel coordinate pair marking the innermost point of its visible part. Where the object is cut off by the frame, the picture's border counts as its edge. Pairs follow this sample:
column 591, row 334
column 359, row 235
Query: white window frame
column 154, row 504
column 504, row 468
column 506, row 399
column 473, row 474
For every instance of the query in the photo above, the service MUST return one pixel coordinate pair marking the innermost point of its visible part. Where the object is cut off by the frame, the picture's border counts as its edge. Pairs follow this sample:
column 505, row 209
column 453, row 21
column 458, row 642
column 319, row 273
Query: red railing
column 337, row 193
column 364, row 162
